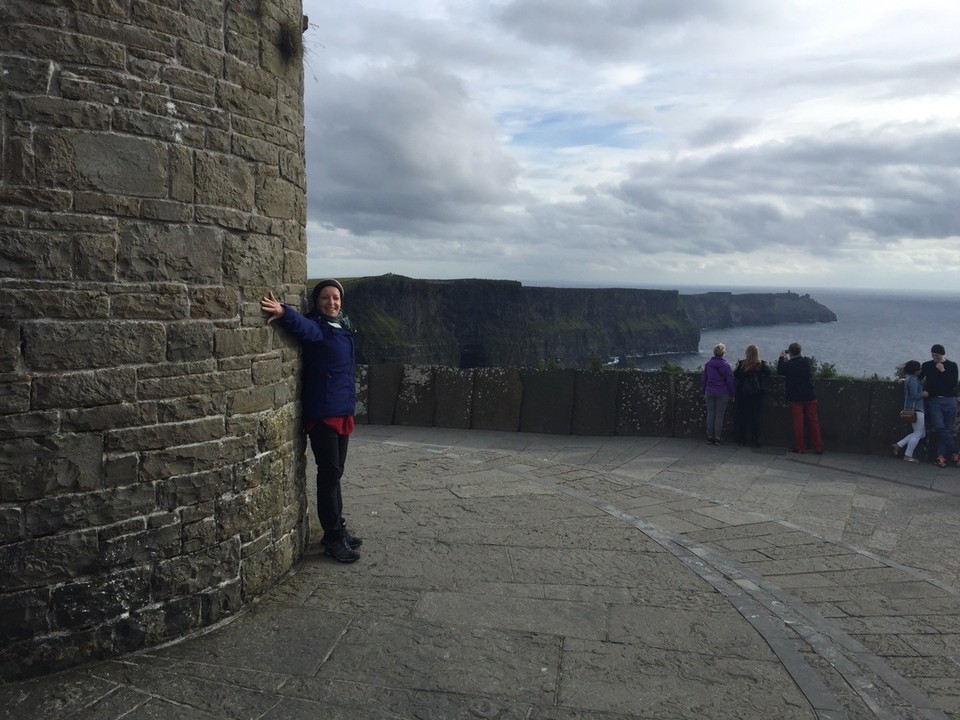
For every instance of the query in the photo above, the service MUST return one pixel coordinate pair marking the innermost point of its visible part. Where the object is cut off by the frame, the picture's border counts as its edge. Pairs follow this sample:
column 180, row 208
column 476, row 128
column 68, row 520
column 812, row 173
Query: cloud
column 616, row 27
column 634, row 142
column 399, row 149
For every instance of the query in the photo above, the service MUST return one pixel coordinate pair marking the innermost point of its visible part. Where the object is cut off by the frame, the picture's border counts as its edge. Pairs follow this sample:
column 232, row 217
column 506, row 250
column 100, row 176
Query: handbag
column 909, row 416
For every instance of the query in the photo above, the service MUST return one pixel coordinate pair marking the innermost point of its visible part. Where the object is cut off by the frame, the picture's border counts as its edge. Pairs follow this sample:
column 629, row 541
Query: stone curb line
column 720, row 571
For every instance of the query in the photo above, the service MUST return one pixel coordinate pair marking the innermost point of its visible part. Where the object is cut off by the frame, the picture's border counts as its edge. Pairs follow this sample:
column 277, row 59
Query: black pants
column 747, row 418
column 330, row 452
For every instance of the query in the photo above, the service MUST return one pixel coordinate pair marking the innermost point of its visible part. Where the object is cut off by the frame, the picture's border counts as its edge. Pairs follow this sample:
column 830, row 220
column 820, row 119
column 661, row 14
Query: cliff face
column 501, row 323
column 476, row 323
column 716, row 310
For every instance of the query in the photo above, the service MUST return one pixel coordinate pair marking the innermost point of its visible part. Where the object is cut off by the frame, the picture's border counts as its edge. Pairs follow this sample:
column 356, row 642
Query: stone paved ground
column 510, row 575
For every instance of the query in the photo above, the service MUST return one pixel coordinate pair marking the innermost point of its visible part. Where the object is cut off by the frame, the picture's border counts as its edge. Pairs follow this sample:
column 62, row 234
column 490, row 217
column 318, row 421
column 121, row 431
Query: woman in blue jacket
column 912, row 400
column 328, row 399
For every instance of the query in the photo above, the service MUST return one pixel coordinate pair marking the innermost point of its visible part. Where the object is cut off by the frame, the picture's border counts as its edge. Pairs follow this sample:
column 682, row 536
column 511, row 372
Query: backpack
column 750, row 383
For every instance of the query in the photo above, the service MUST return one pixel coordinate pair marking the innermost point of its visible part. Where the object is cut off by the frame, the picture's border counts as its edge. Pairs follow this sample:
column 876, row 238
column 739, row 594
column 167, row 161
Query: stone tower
column 151, row 190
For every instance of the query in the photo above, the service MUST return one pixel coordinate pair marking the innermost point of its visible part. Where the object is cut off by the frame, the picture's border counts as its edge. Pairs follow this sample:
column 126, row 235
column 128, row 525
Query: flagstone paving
column 512, row 575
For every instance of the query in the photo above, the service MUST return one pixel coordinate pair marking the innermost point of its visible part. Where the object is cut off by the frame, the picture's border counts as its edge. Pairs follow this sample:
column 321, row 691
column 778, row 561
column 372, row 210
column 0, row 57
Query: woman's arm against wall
column 302, row 328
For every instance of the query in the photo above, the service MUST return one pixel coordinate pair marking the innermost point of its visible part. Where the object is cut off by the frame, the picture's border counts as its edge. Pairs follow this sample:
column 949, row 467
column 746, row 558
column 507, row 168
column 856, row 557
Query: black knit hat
column 321, row 285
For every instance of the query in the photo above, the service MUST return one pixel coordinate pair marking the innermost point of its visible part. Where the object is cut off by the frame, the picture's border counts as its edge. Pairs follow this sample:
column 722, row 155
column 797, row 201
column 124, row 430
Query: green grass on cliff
column 653, row 324
column 387, row 329
column 565, row 324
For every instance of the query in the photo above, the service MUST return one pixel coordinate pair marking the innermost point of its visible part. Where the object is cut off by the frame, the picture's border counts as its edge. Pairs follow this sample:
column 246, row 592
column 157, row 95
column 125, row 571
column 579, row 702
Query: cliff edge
column 502, row 323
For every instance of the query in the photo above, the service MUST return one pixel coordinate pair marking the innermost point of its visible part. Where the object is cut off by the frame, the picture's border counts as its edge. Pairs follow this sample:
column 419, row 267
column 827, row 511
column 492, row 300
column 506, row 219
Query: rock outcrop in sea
column 718, row 310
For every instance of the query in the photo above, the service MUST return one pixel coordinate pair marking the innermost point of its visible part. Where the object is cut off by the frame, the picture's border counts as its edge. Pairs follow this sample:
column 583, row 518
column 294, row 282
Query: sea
column 876, row 331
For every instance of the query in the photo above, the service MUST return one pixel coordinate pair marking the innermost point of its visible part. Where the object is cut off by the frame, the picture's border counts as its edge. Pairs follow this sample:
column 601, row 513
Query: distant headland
column 502, row 323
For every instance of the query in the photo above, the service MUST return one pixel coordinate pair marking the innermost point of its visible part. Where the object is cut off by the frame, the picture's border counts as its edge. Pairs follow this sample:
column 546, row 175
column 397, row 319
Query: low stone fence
column 856, row 416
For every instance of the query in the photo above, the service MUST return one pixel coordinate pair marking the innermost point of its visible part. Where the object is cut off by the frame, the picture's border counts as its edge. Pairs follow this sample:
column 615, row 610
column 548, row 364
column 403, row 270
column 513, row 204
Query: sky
column 636, row 143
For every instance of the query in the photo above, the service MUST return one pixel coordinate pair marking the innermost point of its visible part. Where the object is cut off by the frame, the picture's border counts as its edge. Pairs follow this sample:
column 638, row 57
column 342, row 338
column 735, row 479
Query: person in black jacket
column 798, row 376
column 939, row 378
column 328, row 398
column 750, row 375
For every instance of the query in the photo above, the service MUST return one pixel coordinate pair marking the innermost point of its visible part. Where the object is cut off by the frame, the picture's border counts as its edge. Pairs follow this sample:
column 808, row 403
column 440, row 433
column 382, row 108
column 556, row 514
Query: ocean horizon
column 876, row 332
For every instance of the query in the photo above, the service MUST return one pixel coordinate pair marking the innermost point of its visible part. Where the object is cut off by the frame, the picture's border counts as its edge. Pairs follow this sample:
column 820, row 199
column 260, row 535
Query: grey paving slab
column 942, row 644
column 544, row 616
column 220, row 698
column 387, row 601
column 903, row 606
column 642, row 682
column 729, row 516
column 285, row 639
column 846, row 562
column 832, row 593
column 328, row 698
column 419, row 655
column 944, row 624
column 122, row 702
column 887, row 625
column 701, row 600
column 55, row 696
column 508, row 575
column 155, row 709
column 685, row 631
column 594, row 533
column 806, row 580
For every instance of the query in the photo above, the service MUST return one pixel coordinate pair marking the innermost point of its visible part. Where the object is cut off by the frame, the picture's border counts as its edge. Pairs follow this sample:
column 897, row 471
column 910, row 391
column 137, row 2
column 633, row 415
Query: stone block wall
column 856, row 416
column 151, row 190
column 547, row 402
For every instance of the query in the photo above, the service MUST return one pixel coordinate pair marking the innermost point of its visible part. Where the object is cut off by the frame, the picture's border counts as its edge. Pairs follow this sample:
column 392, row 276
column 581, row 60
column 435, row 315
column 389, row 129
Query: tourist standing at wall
column 750, row 375
column 717, row 387
column 797, row 371
column 939, row 378
column 328, row 399
column 912, row 400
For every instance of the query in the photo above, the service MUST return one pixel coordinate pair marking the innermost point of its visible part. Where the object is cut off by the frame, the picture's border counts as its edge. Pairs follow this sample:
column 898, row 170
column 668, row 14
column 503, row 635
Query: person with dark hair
column 328, row 398
column 750, row 374
column 912, row 400
column 939, row 378
column 798, row 381
column 716, row 383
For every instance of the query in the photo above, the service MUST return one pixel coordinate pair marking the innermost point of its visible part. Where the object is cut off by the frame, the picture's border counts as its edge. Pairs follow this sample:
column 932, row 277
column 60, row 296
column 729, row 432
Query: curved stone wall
column 151, row 190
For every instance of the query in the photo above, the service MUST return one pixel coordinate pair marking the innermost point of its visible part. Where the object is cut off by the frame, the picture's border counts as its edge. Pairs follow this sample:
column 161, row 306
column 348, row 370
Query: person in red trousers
column 797, row 372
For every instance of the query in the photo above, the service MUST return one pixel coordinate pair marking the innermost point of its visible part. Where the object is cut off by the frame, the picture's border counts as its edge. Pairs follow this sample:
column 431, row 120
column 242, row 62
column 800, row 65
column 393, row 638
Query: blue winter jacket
column 329, row 387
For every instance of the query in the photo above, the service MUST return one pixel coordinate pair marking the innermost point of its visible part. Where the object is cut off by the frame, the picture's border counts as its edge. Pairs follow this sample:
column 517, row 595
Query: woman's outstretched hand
column 273, row 307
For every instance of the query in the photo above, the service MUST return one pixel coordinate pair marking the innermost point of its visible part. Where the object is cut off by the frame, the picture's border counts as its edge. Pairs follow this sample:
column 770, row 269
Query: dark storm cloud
column 817, row 193
column 599, row 28
column 721, row 131
column 885, row 76
column 396, row 148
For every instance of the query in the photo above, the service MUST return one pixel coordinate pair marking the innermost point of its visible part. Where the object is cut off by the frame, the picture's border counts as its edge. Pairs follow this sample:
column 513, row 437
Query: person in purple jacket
column 328, row 399
column 718, row 389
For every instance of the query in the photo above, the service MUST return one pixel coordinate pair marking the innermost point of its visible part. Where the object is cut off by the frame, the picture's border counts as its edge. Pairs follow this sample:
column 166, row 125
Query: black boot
column 352, row 540
column 340, row 551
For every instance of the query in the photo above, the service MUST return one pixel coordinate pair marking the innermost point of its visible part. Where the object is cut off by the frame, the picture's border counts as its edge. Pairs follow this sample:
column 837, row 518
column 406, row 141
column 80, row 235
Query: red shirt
column 343, row 425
